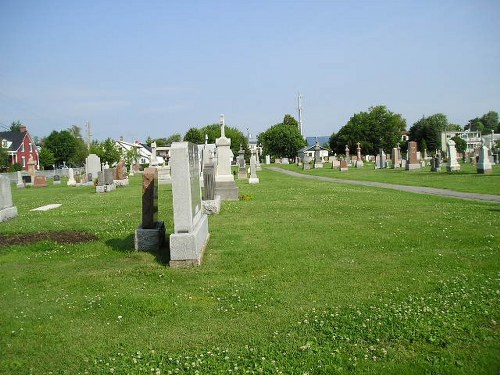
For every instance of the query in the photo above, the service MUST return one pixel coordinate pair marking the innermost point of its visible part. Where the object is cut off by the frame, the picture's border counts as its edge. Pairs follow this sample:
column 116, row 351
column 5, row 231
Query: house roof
column 15, row 137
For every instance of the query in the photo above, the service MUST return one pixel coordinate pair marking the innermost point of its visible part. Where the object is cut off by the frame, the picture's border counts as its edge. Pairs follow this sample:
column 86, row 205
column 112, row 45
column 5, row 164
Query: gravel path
column 413, row 189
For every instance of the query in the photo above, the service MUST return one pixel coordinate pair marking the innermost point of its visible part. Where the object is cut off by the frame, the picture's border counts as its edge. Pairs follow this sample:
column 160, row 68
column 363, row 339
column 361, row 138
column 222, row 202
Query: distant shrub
column 16, row 167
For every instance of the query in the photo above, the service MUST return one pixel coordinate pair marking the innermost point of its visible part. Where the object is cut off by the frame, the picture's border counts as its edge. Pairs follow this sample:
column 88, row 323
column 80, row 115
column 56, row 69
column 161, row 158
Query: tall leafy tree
column 62, row 145
column 460, row 144
column 377, row 128
column 238, row 139
column 485, row 124
column 283, row 139
column 15, row 126
column 429, row 129
column 4, row 157
column 194, row 135
column 47, row 159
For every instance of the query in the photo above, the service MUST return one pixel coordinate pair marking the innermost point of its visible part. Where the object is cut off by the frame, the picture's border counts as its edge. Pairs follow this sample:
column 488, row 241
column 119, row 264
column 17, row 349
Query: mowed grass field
column 466, row 180
column 299, row 277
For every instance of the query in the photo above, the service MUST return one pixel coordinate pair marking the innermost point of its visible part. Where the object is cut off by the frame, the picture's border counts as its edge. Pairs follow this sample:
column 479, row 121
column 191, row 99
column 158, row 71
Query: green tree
column 4, row 158
column 132, row 156
column 375, row 129
column 460, row 144
column 79, row 154
column 490, row 122
column 47, row 159
column 15, row 126
column 173, row 138
column 62, row 145
column 75, row 131
column 107, row 151
column 429, row 129
column 194, row 135
column 283, row 139
column 474, row 125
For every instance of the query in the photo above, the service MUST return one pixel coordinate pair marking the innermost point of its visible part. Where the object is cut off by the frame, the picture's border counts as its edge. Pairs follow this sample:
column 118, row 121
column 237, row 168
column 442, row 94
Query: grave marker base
column 150, row 239
column 186, row 249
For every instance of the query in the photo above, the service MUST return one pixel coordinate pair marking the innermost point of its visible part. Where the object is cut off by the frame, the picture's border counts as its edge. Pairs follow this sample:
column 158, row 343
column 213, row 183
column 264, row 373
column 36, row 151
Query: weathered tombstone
column 27, row 180
column 381, row 159
column 257, row 159
column 285, row 161
column 31, row 167
column 277, row 161
column 153, row 160
column 20, row 183
column 268, row 159
column 120, row 178
column 436, row 164
column 57, row 179
column 242, row 167
column 358, row 151
column 253, row 170
column 7, row 208
column 395, row 158
column 150, row 235
column 347, row 155
column 92, row 166
column 225, row 186
column 100, row 178
column 109, row 176
column 190, row 236
column 451, row 152
column 211, row 202
column 336, row 164
column 318, row 163
column 412, row 160
column 40, row 181
column 71, row 178
column 344, row 166
column 484, row 164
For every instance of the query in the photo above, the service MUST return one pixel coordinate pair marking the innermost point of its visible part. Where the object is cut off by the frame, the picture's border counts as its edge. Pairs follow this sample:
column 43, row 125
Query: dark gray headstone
column 209, row 182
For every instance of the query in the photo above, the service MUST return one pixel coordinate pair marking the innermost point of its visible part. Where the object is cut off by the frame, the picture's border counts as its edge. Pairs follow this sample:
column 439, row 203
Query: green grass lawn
column 301, row 277
column 466, row 180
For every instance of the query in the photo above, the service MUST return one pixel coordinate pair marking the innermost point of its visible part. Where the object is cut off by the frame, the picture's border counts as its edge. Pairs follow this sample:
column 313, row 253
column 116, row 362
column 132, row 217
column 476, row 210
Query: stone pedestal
column 225, row 186
column 150, row 239
column 71, row 178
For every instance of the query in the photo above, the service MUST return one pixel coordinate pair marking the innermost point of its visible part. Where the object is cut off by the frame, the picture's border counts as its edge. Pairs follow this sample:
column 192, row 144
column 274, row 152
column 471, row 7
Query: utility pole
column 299, row 108
column 89, row 134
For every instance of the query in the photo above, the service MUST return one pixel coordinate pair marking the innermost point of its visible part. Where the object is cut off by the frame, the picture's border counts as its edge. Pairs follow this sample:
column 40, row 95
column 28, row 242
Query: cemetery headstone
column 71, row 178
column 57, row 179
column 344, row 166
column 242, row 167
column 190, row 236
column 451, row 152
column 20, row 182
column 210, row 202
column 7, row 208
column 253, row 170
column 412, row 159
column 150, row 235
column 40, row 181
column 268, row 159
column 225, row 186
column 285, row 161
column 27, row 180
column 484, row 165
column 395, row 158
column 92, row 166
column 318, row 163
column 31, row 167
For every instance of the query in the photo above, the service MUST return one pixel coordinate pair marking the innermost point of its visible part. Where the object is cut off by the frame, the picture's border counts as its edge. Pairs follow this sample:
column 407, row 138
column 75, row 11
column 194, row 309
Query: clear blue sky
column 154, row 68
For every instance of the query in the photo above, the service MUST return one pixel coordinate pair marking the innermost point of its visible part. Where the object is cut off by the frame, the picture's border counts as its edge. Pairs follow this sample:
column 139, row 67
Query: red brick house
column 20, row 147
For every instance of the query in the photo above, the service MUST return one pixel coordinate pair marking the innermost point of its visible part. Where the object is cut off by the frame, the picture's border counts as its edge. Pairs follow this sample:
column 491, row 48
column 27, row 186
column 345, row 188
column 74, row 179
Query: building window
column 22, row 147
column 24, row 161
column 31, row 147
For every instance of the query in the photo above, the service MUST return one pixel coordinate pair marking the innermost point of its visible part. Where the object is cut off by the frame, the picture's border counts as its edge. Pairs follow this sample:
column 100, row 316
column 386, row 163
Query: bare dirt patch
column 59, row 237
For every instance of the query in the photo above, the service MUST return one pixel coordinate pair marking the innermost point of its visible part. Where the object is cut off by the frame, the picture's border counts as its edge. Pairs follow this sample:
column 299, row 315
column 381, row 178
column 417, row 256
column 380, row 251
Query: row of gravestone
column 190, row 208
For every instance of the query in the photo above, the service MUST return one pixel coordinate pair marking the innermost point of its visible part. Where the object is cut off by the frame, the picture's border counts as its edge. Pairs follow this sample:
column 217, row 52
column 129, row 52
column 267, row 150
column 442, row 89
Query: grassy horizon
column 302, row 277
column 466, row 180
